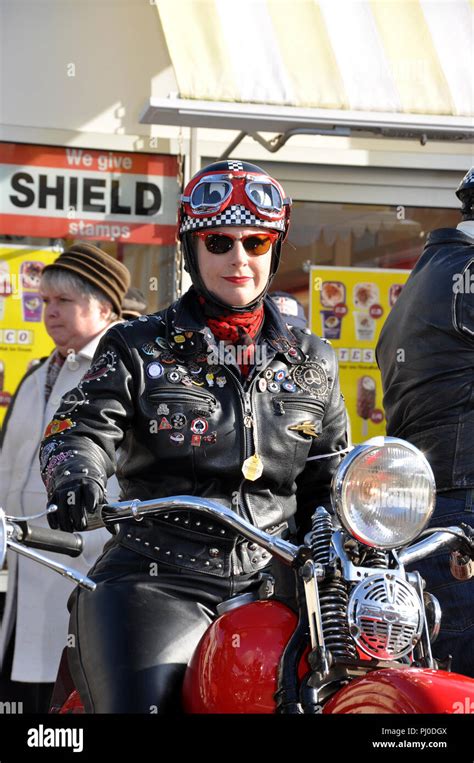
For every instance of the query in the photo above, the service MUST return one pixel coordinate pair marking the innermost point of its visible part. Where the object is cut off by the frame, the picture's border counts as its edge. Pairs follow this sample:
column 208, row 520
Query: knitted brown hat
column 98, row 268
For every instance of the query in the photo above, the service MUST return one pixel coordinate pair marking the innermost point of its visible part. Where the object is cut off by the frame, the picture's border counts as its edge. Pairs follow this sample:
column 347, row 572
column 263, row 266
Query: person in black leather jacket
column 214, row 396
column 426, row 356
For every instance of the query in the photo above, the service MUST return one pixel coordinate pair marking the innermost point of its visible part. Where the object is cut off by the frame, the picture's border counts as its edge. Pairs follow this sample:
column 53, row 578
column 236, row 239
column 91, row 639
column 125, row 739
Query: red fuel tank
column 234, row 668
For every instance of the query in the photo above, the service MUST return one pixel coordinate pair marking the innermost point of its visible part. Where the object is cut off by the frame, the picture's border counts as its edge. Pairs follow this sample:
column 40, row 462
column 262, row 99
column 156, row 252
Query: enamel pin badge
column 307, row 427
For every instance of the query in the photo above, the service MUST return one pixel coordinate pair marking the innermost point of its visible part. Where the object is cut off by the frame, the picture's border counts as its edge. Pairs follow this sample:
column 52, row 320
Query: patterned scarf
column 54, row 367
column 236, row 328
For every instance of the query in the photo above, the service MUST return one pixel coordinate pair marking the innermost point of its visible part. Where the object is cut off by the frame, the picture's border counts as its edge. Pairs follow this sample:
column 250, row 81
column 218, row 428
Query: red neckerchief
column 235, row 327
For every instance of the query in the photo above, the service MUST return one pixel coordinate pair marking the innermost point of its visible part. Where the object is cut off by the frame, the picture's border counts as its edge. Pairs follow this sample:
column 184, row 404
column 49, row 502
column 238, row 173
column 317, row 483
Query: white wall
column 118, row 55
column 85, row 66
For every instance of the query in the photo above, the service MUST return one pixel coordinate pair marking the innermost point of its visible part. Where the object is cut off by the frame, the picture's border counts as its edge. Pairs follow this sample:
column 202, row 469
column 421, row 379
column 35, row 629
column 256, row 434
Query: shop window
column 354, row 235
column 152, row 268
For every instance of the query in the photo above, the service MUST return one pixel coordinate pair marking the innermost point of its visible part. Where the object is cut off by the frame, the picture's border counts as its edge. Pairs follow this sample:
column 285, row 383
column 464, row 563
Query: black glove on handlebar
column 76, row 500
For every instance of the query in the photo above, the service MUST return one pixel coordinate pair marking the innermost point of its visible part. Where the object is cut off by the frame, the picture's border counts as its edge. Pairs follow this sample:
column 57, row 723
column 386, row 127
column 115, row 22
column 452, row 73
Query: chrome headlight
column 384, row 492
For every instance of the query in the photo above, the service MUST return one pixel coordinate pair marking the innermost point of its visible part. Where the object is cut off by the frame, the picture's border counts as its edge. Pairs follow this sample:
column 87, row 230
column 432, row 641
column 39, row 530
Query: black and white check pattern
column 468, row 179
column 234, row 215
column 234, row 164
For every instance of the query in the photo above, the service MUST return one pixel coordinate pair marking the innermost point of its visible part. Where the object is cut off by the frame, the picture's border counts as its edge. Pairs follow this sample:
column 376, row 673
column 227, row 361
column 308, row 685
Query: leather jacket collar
column 186, row 315
column 443, row 236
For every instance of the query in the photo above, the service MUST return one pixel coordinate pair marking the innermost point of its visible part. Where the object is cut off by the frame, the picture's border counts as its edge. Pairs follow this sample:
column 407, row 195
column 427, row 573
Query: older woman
column 214, row 396
column 82, row 293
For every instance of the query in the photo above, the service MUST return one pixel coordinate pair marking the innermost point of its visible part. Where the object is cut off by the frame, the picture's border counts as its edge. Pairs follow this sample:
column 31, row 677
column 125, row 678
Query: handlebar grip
column 45, row 539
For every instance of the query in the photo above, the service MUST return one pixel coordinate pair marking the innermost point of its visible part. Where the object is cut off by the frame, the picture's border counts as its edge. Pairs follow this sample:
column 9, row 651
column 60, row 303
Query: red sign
column 376, row 311
column 341, row 310
column 377, row 416
column 73, row 192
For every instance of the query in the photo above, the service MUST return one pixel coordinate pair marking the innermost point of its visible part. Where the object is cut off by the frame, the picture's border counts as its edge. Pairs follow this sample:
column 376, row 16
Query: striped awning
column 390, row 56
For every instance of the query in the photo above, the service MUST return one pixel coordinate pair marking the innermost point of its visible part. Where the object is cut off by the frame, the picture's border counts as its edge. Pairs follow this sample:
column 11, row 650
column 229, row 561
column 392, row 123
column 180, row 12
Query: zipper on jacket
column 183, row 396
column 251, row 446
column 290, row 402
column 248, row 421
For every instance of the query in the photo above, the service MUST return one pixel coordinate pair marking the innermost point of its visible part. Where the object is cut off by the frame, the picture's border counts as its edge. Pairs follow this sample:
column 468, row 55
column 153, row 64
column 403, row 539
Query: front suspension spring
column 333, row 597
column 374, row 557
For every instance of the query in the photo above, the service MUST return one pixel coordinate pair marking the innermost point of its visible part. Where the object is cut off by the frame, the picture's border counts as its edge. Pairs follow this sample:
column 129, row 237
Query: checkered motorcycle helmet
column 233, row 192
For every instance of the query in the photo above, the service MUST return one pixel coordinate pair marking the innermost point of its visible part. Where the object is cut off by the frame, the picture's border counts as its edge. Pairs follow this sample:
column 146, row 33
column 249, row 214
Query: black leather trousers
column 132, row 638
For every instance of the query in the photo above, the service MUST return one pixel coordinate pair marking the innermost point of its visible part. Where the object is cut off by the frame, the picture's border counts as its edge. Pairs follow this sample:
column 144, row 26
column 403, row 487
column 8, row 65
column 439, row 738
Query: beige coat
column 36, row 594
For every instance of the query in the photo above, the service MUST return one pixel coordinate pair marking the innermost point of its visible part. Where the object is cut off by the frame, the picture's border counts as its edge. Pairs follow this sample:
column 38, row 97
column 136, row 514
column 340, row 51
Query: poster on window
column 23, row 337
column 348, row 307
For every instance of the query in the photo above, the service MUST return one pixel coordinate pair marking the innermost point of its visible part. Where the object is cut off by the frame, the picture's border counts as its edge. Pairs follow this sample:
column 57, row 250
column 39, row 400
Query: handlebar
column 453, row 538
column 447, row 538
column 67, row 572
column 16, row 534
column 120, row 511
column 70, row 544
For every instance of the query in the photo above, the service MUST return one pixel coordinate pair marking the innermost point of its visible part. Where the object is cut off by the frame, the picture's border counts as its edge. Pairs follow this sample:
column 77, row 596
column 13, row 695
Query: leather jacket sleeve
column 92, row 418
column 314, row 482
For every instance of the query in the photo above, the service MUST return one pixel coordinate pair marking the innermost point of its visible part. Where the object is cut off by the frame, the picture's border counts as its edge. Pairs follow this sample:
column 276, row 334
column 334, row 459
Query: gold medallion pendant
column 252, row 468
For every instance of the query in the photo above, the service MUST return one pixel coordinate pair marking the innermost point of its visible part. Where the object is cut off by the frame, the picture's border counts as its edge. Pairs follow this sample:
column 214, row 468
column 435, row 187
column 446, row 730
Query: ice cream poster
column 348, row 307
column 23, row 338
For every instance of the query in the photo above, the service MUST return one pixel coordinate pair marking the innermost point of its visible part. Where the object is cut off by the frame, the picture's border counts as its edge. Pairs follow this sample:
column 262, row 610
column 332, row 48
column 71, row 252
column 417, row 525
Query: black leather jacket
column 426, row 356
column 185, row 425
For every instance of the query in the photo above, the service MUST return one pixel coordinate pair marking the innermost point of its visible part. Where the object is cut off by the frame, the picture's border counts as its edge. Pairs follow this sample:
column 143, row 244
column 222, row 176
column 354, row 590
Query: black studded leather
column 195, row 544
column 192, row 435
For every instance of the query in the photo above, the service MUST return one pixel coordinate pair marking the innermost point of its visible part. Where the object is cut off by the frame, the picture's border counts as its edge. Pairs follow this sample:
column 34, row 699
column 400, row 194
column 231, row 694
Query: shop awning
column 405, row 63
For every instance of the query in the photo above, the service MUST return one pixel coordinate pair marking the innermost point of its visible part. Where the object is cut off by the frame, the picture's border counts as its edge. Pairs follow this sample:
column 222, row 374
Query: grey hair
column 62, row 280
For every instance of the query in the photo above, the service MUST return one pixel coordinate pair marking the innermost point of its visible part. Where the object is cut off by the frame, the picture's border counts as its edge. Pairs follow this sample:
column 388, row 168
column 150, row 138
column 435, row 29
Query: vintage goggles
column 212, row 193
column 221, row 243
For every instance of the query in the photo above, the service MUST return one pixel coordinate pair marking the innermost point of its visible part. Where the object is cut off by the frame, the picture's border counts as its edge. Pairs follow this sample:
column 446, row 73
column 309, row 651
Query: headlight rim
column 373, row 444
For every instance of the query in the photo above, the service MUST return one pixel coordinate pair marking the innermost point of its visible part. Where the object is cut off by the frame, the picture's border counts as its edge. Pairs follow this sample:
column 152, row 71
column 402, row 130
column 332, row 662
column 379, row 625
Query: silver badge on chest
column 312, row 378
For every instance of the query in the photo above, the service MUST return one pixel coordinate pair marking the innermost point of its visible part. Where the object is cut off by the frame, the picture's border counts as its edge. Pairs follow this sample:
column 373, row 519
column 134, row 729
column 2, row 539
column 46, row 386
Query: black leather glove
column 77, row 499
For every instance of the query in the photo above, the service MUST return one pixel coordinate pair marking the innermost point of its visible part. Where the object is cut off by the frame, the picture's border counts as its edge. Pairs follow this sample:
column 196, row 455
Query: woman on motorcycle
column 214, row 396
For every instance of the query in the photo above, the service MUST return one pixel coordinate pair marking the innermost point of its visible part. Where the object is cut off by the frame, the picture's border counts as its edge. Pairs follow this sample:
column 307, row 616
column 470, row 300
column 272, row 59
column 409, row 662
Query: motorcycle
column 358, row 636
